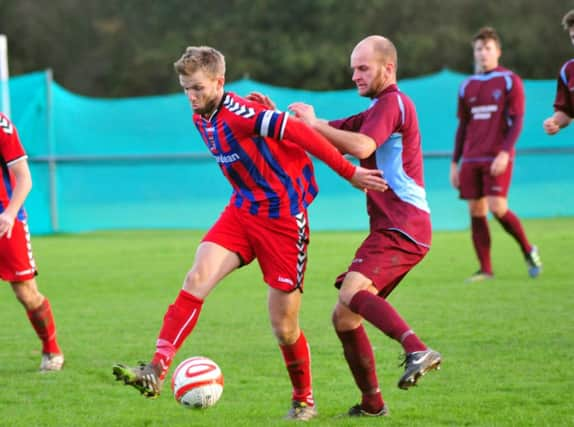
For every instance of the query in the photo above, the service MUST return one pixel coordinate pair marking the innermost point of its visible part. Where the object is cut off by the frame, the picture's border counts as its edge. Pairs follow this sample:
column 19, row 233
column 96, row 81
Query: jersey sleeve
column 11, row 149
column 562, row 102
column 516, row 103
column 352, row 123
column 463, row 119
column 270, row 123
column 384, row 118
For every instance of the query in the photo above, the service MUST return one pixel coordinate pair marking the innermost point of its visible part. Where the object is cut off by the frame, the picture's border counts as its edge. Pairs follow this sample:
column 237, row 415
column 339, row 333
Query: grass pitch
column 506, row 343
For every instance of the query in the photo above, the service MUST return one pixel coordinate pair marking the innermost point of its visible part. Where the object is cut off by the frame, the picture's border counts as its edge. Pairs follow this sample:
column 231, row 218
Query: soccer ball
column 197, row 382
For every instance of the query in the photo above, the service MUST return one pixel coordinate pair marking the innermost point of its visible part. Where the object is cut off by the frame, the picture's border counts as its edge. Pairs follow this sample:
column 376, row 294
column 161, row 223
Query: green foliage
column 506, row 343
column 127, row 48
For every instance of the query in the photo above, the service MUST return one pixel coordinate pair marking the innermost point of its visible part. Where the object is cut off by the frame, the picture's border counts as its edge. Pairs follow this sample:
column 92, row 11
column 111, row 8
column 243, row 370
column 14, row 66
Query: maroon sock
column 42, row 320
column 178, row 322
column 481, row 241
column 298, row 362
column 513, row 226
column 361, row 360
column 383, row 316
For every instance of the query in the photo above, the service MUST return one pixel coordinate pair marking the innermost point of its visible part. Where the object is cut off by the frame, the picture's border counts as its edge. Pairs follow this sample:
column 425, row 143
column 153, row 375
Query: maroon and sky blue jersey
column 270, row 175
column 11, row 151
column 490, row 112
column 391, row 121
column 565, row 91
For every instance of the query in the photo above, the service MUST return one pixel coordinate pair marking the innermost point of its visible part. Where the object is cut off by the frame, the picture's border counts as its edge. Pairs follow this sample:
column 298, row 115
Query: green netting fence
column 140, row 163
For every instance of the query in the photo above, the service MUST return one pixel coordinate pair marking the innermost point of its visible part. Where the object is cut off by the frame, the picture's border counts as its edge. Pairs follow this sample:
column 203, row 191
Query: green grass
column 506, row 343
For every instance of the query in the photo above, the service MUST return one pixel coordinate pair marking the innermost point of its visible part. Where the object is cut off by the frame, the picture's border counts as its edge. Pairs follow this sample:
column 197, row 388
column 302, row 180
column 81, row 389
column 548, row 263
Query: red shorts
column 476, row 181
column 280, row 245
column 385, row 257
column 16, row 259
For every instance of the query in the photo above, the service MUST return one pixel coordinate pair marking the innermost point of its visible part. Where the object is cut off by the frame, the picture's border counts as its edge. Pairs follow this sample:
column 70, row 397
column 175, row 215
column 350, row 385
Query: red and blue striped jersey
column 270, row 175
column 11, row 151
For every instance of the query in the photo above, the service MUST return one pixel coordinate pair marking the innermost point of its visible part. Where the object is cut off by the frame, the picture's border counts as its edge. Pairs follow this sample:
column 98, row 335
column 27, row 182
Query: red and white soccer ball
column 197, row 382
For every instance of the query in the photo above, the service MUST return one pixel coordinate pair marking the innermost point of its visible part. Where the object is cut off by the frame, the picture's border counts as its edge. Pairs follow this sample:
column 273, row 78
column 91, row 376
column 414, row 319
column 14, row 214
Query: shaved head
column 380, row 47
column 374, row 64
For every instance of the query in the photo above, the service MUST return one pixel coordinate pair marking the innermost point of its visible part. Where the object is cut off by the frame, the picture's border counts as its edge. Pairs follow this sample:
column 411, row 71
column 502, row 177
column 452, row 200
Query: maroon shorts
column 385, row 257
column 476, row 181
column 280, row 245
column 16, row 259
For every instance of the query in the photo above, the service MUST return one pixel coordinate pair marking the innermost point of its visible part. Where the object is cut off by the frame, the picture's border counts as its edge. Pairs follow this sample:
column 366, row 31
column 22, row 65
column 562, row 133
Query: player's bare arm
column 23, row 186
column 354, row 143
column 557, row 121
column 454, row 175
column 500, row 163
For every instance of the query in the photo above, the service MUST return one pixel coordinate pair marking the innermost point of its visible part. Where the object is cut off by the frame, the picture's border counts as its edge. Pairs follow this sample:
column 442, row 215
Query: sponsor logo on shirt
column 226, row 158
column 483, row 112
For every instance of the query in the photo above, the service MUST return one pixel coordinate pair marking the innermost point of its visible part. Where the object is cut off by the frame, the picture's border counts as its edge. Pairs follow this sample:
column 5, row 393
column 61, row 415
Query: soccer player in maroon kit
column 384, row 137
column 17, row 264
column 564, row 101
column 262, row 154
column 490, row 112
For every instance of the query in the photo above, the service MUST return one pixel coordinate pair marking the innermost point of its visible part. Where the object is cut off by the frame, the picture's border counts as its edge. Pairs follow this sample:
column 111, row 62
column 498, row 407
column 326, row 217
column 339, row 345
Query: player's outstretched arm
column 354, row 143
column 557, row 121
column 316, row 144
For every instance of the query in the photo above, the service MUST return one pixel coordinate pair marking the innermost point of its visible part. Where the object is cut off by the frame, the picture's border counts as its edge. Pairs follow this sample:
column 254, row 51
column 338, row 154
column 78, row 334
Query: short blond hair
column 568, row 20
column 204, row 58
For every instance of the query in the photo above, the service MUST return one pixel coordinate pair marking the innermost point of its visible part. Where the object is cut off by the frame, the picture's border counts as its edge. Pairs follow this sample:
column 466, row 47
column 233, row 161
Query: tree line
column 118, row 48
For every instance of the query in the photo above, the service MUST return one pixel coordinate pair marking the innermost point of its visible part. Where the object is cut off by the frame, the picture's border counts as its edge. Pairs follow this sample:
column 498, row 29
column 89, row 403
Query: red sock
column 513, row 226
column 298, row 362
column 481, row 241
column 178, row 322
column 383, row 316
column 42, row 320
column 361, row 360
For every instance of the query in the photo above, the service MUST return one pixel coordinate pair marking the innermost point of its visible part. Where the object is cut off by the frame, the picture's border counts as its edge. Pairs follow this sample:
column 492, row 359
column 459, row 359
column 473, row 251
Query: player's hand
column 454, row 175
column 6, row 225
column 550, row 126
column 369, row 179
column 261, row 99
column 304, row 112
column 500, row 163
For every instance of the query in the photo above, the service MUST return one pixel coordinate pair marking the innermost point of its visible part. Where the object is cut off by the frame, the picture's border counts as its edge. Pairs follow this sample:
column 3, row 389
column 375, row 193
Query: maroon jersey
column 11, row 151
column 391, row 121
column 490, row 112
column 565, row 90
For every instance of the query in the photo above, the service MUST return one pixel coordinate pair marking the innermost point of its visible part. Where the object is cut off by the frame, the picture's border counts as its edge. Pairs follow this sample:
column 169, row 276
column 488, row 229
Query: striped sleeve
column 270, row 123
column 11, row 149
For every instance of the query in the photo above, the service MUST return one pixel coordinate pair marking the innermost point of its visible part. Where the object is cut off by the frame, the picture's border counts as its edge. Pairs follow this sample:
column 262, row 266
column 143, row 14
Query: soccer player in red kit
column 564, row 101
column 262, row 154
column 17, row 264
column 384, row 137
column 490, row 112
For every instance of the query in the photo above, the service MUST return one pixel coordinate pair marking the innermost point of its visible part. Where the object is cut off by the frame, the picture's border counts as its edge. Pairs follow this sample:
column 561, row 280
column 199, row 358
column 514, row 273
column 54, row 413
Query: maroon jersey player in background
column 490, row 112
column 564, row 101
column 17, row 264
